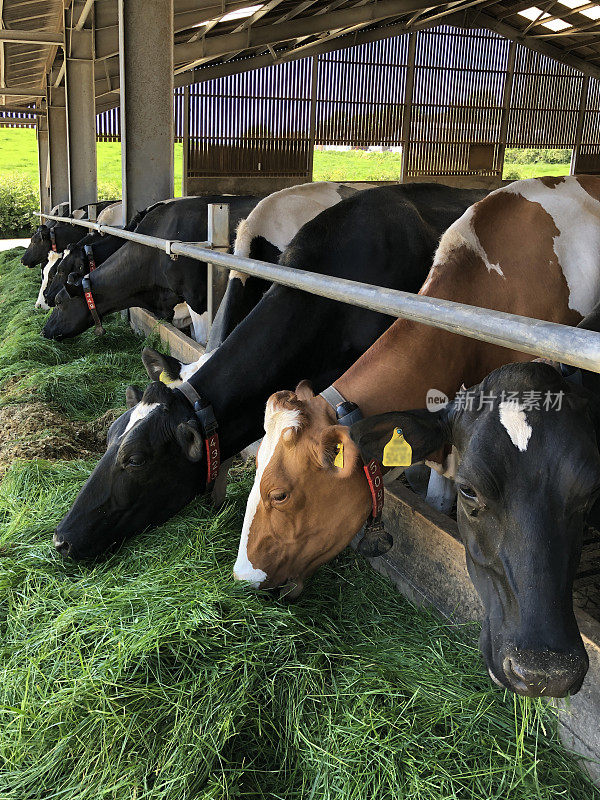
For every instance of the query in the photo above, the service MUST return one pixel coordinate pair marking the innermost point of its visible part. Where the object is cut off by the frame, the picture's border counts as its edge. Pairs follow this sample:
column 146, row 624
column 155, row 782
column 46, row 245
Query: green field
column 152, row 675
column 18, row 153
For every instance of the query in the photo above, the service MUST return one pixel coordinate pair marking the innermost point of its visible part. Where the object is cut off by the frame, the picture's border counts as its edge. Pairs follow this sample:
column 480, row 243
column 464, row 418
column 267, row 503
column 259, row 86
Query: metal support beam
column 186, row 141
column 22, row 91
column 506, row 97
column 478, row 19
column 146, row 87
column 44, row 164
column 217, row 277
column 23, row 110
column 580, row 120
column 30, row 37
column 313, row 116
column 264, row 35
column 57, row 146
column 81, row 112
column 407, row 112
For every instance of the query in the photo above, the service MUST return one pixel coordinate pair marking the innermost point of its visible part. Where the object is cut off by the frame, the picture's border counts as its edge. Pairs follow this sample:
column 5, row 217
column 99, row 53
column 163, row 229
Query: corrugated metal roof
column 568, row 29
column 25, row 65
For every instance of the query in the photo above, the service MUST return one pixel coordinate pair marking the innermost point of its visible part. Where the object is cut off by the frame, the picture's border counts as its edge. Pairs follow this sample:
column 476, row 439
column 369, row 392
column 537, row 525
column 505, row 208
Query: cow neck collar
column 209, row 428
column 347, row 413
column 89, row 253
column 89, row 299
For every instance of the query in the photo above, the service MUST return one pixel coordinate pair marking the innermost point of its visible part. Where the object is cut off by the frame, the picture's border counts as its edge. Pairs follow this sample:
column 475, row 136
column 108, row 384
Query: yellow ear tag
column 397, row 452
column 339, row 459
column 164, row 378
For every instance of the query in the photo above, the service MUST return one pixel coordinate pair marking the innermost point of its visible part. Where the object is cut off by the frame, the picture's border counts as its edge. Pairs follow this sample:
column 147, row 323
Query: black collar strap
column 89, row 299
column 209, row 427
column 347, row 414
column 89, row 252
column 53, row 239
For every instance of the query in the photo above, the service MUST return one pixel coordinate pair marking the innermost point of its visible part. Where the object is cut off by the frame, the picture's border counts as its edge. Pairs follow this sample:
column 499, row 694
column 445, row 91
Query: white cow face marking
column 52, row 259
column 140, row 412
column 513, row 419
column 277, row 420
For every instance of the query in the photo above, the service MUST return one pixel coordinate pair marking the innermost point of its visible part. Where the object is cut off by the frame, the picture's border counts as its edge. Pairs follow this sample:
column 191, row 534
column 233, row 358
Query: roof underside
column 207, row 36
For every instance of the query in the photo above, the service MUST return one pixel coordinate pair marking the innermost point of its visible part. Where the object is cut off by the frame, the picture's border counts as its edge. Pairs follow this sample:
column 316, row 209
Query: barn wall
column 451, row 99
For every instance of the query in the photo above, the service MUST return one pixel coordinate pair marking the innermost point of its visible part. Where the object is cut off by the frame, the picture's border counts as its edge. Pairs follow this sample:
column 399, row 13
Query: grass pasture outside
column 152, row 675
column 18, row 154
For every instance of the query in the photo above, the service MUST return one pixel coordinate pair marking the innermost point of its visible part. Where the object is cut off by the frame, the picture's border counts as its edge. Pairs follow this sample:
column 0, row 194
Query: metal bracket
column 168, row 244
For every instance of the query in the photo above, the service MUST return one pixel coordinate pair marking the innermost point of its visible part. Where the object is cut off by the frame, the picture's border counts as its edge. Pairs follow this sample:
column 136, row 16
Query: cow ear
column 160, row 367
column 133, row 395
column 304, row 391
column 337, row 451
column 425, row 432
column 73, row 286
column 190, row 440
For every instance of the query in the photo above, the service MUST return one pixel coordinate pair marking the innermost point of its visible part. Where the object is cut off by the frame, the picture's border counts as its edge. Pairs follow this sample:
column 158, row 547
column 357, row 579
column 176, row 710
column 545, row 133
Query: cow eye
column 136, row 461
column 468, row 493
column 278, row 497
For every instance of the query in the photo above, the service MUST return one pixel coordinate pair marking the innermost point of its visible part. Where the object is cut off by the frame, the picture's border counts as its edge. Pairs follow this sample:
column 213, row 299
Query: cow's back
column 393, row 226
column 531, row 248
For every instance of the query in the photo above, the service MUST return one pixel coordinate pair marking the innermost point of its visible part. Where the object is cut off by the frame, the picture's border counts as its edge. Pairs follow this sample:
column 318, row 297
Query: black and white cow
column 136, row 275
column 264, row 235
column 76, row 261
column 526, row 441
column 56, row 237
column 155, row 462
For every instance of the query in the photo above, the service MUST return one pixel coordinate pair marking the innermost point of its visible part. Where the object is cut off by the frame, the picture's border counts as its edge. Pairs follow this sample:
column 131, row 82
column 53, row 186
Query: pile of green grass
column 82, row 377
column 151, row 674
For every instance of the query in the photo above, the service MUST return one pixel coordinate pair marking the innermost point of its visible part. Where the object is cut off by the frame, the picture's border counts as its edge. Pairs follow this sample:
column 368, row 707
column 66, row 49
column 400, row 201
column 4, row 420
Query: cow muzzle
column 62, row 545
column 542, row 674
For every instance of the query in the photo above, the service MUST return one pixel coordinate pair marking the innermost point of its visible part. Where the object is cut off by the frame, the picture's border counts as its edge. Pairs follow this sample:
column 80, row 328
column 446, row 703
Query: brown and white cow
column 531, row 248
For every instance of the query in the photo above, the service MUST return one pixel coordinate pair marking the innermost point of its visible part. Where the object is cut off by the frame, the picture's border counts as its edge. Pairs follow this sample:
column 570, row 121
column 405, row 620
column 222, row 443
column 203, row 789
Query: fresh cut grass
column 152, row 674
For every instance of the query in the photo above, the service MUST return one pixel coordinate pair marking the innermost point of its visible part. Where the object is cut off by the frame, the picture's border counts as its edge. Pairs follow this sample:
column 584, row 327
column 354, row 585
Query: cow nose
column 545, row 674
column 63, row 547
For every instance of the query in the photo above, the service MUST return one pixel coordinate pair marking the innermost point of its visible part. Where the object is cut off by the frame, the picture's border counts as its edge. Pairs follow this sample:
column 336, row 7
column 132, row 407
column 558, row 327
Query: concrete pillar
column 146, row 72
column 57, row 146
column 81, row 111
column 43, row 164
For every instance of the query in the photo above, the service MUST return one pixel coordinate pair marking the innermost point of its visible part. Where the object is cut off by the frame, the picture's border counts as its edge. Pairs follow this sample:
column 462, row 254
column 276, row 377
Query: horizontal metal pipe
column 574, row 346
column 131, row 236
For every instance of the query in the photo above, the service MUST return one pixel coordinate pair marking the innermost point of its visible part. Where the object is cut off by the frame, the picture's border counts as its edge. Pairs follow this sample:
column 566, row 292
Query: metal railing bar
column 574, row 346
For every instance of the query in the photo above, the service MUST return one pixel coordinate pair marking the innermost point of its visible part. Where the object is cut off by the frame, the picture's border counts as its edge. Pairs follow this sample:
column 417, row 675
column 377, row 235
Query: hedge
column 19, row 202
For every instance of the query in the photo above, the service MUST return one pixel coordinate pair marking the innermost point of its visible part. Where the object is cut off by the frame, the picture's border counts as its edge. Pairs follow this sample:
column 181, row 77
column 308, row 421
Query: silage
column 151, row 674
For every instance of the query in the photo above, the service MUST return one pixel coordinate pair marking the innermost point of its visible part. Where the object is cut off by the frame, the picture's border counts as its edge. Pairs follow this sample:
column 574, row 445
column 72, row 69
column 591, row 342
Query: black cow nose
column 545, row 674
column 63, row 547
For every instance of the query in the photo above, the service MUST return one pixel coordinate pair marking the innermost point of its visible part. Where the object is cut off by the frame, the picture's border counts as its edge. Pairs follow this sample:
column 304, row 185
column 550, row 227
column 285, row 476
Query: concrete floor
column 8, row 244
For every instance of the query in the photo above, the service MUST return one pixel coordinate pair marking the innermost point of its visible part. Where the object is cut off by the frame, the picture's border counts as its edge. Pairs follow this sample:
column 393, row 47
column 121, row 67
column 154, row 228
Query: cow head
column 70, row 315
column 73, row 263
column 305, row 505
column 38, row 248
column 153, row 466
column 528, row 475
